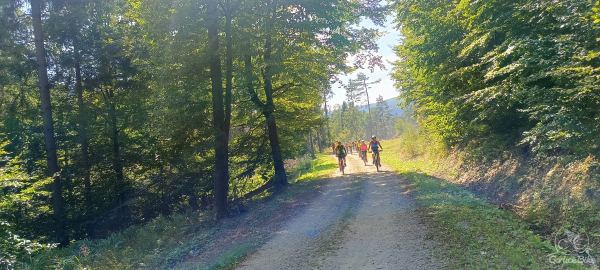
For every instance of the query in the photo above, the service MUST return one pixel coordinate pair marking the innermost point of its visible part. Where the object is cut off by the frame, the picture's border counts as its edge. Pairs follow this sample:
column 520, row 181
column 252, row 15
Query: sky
column 385, row 88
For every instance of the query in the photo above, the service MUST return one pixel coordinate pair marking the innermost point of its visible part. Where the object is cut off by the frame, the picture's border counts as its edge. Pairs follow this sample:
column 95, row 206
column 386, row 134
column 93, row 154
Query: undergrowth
column 167, row 241
column 477, row 234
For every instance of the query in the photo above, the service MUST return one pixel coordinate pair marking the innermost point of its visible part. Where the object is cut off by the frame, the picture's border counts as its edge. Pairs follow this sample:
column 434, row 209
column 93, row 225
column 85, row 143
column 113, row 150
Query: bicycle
column 341, row 164
column 363, row 156
column 377, row 160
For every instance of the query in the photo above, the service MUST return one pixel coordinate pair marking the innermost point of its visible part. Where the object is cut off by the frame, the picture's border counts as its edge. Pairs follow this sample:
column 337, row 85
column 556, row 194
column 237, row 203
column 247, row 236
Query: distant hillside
column 392, row 103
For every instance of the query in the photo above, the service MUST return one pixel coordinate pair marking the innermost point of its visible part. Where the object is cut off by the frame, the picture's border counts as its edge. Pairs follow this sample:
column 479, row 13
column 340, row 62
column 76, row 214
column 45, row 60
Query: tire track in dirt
column 362, row 220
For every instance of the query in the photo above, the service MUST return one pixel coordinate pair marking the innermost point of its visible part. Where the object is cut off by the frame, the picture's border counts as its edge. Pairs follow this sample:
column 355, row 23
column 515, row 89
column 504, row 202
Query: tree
column 360, row 86
column 49, row 139
column 354, row 92
column 153, row 104
column 385, row 124
column 83, row 126
column 332, row 39
column 76, row 15
column 221, row 137
column 325, row 131
column 481, row 72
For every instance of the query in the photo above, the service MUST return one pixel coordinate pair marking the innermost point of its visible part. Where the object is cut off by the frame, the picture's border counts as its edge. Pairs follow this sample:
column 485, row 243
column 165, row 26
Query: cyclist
column 375, row 147
column 363, row 151
column 340, row 153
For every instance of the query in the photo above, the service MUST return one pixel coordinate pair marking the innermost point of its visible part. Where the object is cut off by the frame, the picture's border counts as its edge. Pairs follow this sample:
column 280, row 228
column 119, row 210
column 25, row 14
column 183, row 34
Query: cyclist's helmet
column 373, row 137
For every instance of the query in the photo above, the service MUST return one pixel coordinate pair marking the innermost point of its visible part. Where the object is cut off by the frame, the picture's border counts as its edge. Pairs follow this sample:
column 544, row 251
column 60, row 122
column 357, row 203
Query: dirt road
column 362, row 220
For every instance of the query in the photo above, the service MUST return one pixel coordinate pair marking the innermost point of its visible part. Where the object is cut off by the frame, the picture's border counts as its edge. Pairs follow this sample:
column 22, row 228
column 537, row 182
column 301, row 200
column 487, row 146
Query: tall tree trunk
column 311, row 146
column 228, row 93
column 370, row 125
column 49, row 139
column 320, row 139
column 221, row 173
column 229, row 66
column 116, row 155
column 326, row 126
column 280, row 175
column 280, row 178
column 342, row 118
column 83, row 136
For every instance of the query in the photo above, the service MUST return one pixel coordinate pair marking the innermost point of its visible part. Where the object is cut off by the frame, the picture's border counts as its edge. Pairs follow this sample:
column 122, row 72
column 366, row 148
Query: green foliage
column 506, row 73
column 131, row 102
column 168, row 241
column 21, row 198
column 383, row 124
column 475, row 233
column 350, row 122
column 14, row 248
column 515, row 85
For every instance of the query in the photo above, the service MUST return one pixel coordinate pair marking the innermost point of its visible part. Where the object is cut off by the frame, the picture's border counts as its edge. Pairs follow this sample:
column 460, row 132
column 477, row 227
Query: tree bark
column 116, row 145
column 370, row 125
column 327, row 131
column 320, row 139
column 311, row 146
column 83, row 136
column 280, row 178
column 221, row 173
column 228, row 98
column 49, row 139
column 280, row 175
column 229, row 65
column 249, row 76
column 117, row 160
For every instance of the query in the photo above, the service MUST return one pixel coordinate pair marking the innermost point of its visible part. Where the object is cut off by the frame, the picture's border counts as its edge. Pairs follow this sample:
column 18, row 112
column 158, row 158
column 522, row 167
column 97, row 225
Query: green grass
column 475, row 234
column 321, row 167
column 233, row 257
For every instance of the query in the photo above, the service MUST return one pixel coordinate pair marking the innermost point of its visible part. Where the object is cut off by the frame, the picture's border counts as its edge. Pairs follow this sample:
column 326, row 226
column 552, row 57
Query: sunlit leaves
column 525, row 72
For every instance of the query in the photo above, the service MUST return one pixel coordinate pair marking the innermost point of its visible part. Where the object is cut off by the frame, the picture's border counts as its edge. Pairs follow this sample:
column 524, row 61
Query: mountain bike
column 363, row 156
column 377, row 160
column 341, row 164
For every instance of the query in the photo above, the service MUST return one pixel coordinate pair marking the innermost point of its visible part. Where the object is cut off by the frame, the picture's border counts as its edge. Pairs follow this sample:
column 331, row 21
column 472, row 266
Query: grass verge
column 476, row 234
column 321, row 167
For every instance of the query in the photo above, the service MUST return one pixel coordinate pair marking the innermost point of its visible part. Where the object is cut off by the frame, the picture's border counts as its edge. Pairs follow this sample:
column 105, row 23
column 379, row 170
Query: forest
column 506, row 74
column 357, row 118
column 114, row 112
column 511, row 91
